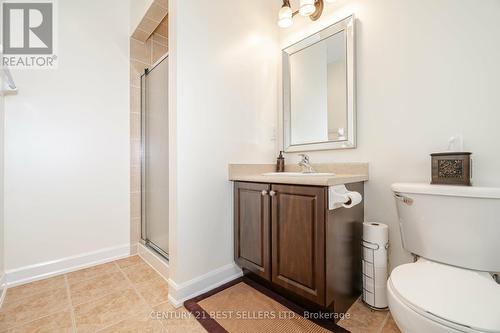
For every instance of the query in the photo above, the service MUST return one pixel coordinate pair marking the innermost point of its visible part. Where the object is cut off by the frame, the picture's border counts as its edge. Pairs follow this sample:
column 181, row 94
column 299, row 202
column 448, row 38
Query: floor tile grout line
column 383, row 323
column 65, row 278
column 151, row 266
column 71, row 307
column 36, row 319
column 69, row 299
column 106, row 293
column 151, row 308
column 64, row 275
column 91, row 277
column 133, row 288
column 18, row 299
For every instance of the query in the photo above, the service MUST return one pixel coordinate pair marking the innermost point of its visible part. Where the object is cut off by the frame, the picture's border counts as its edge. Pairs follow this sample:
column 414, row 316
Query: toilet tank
column 455, row 225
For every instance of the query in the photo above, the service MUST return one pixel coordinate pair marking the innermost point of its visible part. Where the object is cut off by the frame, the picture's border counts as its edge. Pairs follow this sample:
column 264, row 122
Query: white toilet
column 455, row 232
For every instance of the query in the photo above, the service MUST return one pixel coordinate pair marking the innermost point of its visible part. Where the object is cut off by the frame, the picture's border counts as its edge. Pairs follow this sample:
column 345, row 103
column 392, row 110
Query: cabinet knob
column 264, row 192
column 272, row 193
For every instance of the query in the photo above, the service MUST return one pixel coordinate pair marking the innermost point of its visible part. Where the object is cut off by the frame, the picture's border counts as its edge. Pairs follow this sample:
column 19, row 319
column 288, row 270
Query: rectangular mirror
column 318, row 90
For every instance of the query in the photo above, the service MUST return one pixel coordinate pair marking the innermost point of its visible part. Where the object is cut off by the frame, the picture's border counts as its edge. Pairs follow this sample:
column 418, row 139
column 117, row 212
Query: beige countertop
column 345, row 173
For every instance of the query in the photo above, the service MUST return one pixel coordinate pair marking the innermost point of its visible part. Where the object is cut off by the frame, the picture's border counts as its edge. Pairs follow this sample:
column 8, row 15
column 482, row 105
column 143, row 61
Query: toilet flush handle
column 405, row 199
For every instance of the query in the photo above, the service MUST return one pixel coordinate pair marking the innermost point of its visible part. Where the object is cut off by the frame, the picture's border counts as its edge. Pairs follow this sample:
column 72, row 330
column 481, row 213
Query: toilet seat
column 465, row 300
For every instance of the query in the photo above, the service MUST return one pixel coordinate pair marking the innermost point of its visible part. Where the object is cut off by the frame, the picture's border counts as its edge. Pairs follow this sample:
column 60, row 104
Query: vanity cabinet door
column 298, row 240
column 252, row 228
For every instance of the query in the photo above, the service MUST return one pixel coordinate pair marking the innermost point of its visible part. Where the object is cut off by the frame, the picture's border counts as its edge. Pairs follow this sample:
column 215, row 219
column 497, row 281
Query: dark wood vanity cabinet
column 252, row 228
column 286, row 236
column 297, row 240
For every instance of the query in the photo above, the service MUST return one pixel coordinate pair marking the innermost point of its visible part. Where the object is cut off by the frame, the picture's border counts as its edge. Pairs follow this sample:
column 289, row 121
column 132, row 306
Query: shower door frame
column 144, row 238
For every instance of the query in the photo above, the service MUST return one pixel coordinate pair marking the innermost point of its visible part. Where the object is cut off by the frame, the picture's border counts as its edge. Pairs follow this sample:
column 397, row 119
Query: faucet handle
column 305, row 158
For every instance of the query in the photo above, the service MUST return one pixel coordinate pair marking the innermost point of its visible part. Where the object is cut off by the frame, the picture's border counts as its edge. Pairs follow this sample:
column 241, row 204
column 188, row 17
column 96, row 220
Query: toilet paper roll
column 376, row 258
column 377, row 298
column 379, row 274
column 377, row 233
column 354, row 198
column 375, row 243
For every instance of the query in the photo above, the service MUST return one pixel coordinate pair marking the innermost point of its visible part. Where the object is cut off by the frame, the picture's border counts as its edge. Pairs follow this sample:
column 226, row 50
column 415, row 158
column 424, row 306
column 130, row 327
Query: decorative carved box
column 451, row 168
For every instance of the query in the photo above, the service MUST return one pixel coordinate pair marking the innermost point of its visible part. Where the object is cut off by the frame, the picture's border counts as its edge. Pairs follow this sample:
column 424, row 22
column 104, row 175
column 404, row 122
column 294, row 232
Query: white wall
column 67, row 142
column 427, row 70
column 2, row 236
column 223, row 101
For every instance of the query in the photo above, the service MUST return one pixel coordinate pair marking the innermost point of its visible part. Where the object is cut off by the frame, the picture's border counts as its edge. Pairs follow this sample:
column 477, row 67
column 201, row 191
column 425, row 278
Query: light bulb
column 285, row 17
column 307, row 7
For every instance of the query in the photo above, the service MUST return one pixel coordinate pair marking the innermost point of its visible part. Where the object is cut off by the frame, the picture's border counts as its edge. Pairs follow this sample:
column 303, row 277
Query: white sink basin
column 299, row 174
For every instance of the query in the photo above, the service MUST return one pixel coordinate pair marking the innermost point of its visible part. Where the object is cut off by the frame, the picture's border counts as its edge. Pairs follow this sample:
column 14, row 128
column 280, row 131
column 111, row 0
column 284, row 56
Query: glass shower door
column 154, row 86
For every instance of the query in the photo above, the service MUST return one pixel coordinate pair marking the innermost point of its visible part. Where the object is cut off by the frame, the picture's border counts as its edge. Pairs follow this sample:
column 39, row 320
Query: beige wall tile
column 95, row 288
column 135, row 153
column 163, row 3
column 159, row 51
column 148, row 25
column 156, row 12
column 16, row 293
column 140, row 51
column 140, row 35
column 33, row 307
column 91, row 272
column 135, row 126
column 135, row 179
column 136, row 70
column 135, row 205
column 135, row 99
column 135, row 230
column 108, row 310
column 162, row 28
column 157, row 38
column 59, row 322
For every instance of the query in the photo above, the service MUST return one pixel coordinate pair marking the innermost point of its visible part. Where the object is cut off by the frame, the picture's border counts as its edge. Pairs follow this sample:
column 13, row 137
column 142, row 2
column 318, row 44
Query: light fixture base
column 320, row 4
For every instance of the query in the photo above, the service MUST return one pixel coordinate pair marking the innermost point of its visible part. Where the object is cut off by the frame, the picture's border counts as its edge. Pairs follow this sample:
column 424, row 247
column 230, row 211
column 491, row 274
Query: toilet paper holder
column 339, row 196
column 372, row 246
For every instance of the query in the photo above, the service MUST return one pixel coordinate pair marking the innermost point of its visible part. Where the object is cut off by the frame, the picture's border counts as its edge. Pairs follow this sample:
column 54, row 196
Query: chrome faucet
column 304, row 163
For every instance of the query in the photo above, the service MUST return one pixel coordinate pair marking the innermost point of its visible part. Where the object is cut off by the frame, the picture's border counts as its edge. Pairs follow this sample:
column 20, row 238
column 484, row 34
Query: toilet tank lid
column 447, row 190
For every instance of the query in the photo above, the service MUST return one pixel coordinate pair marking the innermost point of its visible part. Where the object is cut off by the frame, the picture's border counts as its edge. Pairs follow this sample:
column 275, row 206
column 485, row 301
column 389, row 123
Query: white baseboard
column 48, row 269
column 179, row 293
column 3, row 289
column 159, row 264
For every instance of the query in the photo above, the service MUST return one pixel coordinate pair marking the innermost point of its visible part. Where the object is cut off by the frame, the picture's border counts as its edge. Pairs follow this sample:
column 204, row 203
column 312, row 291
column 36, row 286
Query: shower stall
column 154, row 164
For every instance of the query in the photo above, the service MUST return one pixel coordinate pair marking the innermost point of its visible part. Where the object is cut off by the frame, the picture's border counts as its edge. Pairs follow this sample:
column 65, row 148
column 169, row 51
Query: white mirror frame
column 346, row 25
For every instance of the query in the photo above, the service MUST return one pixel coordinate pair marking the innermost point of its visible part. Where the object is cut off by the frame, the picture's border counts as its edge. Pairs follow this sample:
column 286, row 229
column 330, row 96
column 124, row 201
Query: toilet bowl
column 454, row 231
column 429, row 297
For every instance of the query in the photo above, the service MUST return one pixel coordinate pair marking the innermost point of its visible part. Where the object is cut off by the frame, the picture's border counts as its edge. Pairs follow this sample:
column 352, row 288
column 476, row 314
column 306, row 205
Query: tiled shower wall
column 146, row 48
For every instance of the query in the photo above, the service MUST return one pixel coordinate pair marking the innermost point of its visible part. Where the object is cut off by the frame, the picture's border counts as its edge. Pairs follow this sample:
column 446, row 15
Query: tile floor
column 120, row 296
column 126, row 295
column 364, row 320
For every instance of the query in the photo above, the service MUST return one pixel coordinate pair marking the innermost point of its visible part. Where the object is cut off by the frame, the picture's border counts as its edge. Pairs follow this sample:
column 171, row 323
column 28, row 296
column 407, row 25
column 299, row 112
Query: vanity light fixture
column 285, row 16
column 308, row 8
